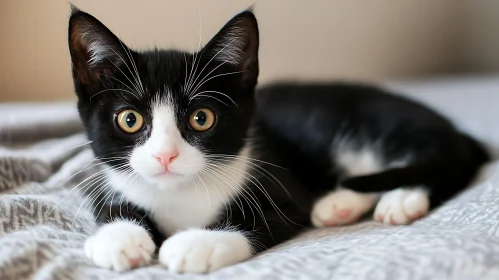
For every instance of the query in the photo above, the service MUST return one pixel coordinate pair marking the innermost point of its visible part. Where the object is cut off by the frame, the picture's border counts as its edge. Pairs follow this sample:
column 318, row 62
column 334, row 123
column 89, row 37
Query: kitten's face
column 164, row 116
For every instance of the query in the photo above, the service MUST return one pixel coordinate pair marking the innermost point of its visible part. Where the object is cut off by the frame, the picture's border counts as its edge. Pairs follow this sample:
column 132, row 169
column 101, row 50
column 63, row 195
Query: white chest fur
column 173, row 210
column 198, row 203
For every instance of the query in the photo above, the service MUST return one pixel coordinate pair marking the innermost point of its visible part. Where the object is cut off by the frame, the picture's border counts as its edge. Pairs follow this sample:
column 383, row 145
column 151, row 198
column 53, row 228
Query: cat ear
column 95, row 51
column 236, row 45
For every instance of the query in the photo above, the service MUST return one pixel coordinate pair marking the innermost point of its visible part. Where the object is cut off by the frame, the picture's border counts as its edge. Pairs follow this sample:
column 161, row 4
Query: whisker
column 103, row 177
column 134, row 66
column 94, row 193
column 190, row 93
column 199, row 49
column 197, row 56
column 126, row 76
column 104, row 188
column 185, row 62
column 99, row 176
column 212, row 91
column 213, row 57
column 209, row 96
column 117, row 89
column 217, row 189
column 109, row 193
column 67, row 150
column 262, row 170
column 118, row 80
column 262, row 189
column 228, row 184
column 207, row 191
column 82, row 170
column 216, row 76
column 131, row 182
column 124, row 62
column 246, row 190
column 243, row 157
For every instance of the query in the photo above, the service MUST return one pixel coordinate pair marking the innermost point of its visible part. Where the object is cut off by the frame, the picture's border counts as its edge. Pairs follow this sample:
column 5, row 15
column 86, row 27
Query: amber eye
column 130, row 121
column 202, row 119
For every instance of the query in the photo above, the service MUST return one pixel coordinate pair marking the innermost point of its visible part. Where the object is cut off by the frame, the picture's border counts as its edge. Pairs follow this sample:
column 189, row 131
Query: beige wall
column 482, row 36
column 363, row 40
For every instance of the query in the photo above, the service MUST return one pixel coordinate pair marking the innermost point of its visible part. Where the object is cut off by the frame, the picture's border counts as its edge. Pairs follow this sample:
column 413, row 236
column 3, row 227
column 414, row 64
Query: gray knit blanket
column 44, row 218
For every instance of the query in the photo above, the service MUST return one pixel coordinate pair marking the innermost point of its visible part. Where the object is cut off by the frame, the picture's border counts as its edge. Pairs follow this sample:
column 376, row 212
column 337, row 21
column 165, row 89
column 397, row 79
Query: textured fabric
column 43, row 158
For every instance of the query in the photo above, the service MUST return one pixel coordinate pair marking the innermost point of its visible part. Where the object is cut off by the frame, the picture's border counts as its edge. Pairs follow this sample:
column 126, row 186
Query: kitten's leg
column 120, row 245
column 204, row 250
column 342, row 207
column 207, row 250
column 123, row 244
column 402, row 206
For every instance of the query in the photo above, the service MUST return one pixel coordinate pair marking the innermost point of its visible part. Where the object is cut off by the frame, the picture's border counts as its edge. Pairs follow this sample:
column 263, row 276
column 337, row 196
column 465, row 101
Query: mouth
column 167, row 173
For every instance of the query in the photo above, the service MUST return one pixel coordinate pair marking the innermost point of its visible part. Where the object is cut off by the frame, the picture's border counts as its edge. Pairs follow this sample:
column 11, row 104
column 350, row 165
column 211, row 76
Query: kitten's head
column 164, row 115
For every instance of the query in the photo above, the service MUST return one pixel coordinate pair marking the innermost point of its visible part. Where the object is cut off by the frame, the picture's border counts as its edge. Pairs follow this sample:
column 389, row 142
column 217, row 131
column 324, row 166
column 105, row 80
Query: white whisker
column 208, row 63
column 218, row 190
column 262, row 189
column 209, row 96
column 246, row 190
column 207, row 191
column 111, row 77
column 216, row 76
column 213, row 91
column 134, row 66
column 118, row 89
column 248, row 159
column 124, row 62
column 89, row 196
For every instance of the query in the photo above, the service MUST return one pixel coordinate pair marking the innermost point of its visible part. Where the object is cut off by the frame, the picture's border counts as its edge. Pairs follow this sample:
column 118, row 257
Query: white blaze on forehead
column 165, row 138
column 165, row 135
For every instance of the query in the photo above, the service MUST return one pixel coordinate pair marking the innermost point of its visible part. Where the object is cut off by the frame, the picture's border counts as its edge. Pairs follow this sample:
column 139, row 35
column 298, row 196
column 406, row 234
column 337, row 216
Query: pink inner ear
column 95, row 50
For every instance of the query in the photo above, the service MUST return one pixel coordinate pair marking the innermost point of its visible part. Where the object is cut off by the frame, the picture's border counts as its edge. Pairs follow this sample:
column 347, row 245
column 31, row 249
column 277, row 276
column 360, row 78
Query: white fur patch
column 201, row 251
column 402, row 206
column 164, row 138
column 356, row 162
column 120, row 245
column 341, row 207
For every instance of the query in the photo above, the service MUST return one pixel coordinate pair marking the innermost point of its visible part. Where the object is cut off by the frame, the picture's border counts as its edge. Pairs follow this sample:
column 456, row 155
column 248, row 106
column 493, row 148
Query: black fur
column 294, row 127
column 442, row 160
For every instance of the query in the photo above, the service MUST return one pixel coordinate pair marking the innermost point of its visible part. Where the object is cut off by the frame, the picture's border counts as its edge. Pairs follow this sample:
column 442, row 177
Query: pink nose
column 166, row 158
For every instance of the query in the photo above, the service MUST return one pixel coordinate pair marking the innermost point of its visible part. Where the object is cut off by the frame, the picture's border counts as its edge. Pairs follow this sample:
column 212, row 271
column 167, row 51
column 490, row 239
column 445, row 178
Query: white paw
column 121, row 246
column 201, row 251
column 341, row 207
column 402, row 206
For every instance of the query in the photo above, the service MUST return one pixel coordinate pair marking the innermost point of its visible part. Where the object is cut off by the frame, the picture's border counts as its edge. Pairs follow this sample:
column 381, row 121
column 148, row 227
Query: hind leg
column 344, row 206
column 341, row 207
column 402, row 206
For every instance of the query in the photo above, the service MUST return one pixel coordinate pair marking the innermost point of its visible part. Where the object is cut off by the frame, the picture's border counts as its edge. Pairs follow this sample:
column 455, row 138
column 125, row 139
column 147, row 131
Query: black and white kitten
column 213, row 174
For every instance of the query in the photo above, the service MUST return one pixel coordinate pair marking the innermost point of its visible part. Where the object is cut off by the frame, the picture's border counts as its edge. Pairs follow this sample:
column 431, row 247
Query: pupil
column 200, row 118
column 131, row 120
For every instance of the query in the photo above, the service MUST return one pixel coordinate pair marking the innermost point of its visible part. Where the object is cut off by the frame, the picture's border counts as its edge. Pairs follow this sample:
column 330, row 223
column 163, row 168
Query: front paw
column 201, row 251
column 121, row 246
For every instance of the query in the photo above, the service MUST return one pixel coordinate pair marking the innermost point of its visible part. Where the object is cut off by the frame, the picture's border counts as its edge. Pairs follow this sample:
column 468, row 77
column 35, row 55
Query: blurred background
column 375, row 41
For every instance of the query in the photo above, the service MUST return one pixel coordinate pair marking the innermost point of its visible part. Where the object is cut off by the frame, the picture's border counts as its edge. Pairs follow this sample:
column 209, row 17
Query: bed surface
column 41, row 237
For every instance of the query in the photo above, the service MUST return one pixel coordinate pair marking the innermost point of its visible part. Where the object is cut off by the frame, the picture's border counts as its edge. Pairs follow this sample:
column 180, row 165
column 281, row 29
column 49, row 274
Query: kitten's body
column 250, row 180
